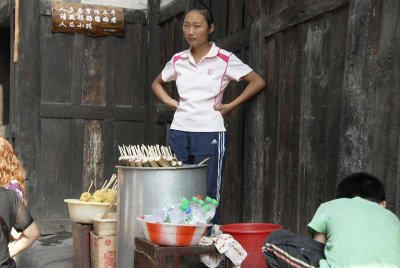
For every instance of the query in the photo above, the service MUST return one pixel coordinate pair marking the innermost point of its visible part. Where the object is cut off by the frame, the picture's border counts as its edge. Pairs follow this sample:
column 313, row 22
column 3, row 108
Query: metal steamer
column 146, row 190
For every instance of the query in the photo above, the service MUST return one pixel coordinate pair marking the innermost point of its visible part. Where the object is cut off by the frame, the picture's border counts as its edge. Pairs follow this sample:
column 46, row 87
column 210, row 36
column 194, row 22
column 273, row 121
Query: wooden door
column 91, row 99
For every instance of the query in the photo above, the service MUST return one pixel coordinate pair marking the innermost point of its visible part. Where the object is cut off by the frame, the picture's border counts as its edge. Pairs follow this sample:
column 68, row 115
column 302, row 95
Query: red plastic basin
column 251, row 236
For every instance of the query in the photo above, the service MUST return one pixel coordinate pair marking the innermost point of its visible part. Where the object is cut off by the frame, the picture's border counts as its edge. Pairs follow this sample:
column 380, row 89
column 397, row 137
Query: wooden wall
column 77, row 98
column 331, row 105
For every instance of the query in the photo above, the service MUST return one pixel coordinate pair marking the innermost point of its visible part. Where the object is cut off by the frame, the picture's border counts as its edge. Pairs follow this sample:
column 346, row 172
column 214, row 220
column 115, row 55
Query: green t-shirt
column 360, row 234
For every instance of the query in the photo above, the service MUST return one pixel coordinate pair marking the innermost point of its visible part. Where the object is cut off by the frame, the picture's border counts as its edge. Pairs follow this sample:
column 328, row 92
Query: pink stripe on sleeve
column 174, row 60
column 224, row 57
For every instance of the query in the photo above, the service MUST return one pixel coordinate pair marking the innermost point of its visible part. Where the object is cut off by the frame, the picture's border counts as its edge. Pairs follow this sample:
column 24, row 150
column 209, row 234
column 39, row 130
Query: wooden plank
column 130, row 16
column 233, row 170
column 235, row 16
column 111, row 22
column 110, row 64
column 254, row 9
column 77, row 69
column 56, row 75
column 4, row 13
column 171, row 10
column 5, row 76
column 298, row 13
column 286, row 180
column 272, row 55
column 323, row 61
column 276, row 6
column 312, row 123
column 77, row 144
column 153, row 68
column 81, row 244
column 93, row 75
column 54, row 110
column 129, row 82
column 126, row 132
column 220, row 7
column 357, row 121
column 335, row 47
column 254, row 154
column 385, row 80
column 111, row 153
column 57, row 180
column 26, row 85
column 93, row 153
column 236, row 41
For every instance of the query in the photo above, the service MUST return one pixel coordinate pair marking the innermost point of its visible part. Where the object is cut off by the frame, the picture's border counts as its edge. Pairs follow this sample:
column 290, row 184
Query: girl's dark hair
column 363, row 185
column 203, row 9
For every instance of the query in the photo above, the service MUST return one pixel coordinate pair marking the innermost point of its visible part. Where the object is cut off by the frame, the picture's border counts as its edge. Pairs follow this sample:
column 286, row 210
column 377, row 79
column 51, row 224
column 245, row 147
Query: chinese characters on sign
column 88, row 19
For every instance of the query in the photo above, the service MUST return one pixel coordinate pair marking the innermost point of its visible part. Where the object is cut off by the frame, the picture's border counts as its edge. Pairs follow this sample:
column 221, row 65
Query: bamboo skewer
column 105, row 215
column 104, row 184
column 90, row 187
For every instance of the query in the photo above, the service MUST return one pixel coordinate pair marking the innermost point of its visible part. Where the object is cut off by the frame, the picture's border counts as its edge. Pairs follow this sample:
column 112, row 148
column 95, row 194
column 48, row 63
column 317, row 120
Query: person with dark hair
column 201, row 74
column 354, row 230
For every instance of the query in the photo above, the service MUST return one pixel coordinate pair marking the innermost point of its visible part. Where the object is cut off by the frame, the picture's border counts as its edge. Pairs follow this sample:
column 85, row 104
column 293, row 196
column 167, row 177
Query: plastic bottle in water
column 165, row 213
column 213, row 204
column 200, row 210
column 194, row 206
column 179, row 214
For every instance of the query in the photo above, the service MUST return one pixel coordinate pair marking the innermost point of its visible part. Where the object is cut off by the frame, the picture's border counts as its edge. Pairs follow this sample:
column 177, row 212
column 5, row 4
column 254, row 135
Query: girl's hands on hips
column 172, row 104
column 224, row 109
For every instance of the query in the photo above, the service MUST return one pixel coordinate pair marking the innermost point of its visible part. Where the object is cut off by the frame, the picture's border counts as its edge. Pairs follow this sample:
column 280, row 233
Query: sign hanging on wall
column 88, row 19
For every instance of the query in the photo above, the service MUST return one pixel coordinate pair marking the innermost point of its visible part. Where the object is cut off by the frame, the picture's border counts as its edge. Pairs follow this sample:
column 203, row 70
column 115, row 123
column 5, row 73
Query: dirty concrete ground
column 50, row 251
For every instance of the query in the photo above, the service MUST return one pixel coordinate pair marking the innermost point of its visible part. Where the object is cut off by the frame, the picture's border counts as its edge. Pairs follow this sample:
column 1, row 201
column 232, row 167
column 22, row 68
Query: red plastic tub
column 251, row 236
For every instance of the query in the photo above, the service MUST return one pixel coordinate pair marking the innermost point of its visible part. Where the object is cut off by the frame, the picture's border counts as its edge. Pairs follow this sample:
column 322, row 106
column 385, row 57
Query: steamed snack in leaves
column 105, row 194
column 109, row 195
column 98, row 196
column 85, row 197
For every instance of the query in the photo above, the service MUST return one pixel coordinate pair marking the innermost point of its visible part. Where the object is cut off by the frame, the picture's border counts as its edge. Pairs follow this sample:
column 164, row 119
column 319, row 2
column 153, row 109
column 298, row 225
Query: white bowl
column 170, row 234
column 105, row 227
column 83, row 212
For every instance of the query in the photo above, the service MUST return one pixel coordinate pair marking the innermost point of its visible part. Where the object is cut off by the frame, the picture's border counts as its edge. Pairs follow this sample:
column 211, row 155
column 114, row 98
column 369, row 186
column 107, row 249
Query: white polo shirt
column 201, row 87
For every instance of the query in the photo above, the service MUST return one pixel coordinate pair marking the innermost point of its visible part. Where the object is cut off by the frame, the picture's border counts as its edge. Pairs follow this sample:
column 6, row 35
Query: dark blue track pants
column 193, row 147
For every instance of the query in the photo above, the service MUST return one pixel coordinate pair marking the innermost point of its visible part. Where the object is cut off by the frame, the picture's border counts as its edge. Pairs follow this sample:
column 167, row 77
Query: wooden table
column 150, row 255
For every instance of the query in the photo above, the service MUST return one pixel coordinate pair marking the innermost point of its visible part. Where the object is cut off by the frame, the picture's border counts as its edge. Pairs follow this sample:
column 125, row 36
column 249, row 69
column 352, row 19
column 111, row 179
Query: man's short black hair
column 363, row 185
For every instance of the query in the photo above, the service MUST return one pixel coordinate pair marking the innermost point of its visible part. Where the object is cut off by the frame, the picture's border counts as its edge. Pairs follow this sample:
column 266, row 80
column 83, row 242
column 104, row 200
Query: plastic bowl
column 170, row 234
column 105, row 227
column 83, row 212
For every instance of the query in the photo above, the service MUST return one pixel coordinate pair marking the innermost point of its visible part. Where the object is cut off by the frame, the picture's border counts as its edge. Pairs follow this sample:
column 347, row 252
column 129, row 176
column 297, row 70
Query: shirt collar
column 213, row 52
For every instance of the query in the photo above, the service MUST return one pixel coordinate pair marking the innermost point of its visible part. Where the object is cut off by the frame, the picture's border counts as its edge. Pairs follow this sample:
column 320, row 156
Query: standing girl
column 201, row 74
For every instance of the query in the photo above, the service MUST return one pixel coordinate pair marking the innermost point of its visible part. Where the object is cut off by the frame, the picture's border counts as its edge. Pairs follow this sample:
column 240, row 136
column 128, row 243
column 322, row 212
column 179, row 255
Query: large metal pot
column 143, row 190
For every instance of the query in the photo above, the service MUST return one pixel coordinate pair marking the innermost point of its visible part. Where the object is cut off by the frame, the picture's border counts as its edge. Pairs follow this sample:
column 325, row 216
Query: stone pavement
column 51, row 251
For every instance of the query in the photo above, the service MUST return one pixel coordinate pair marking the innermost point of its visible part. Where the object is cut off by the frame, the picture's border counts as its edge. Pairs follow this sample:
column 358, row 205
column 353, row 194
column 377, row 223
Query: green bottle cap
column 206, row 208
column 185, row 201
column 195, row 199
column 214, row 202
column 201, row 202
column 183, row 207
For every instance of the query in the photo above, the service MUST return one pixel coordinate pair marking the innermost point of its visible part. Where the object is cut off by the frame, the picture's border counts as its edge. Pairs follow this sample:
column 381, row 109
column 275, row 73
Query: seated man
column 354, row 230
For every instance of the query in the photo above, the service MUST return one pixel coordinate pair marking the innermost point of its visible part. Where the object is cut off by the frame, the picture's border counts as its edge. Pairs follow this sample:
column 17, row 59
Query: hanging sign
column 88, row 19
